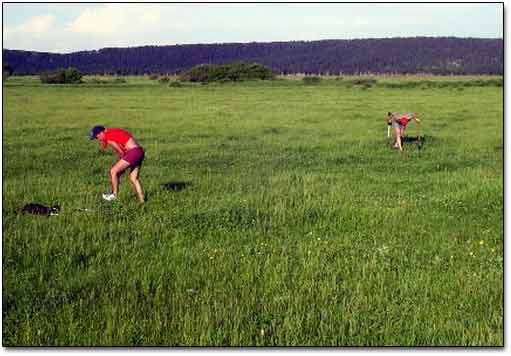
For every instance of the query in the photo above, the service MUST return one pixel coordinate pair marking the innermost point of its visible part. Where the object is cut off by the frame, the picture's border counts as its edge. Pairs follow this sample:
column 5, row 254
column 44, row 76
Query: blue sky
column 73, row 27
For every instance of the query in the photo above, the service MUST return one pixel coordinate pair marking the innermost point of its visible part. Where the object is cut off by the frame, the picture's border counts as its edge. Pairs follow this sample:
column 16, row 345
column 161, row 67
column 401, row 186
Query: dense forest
column 436, row 55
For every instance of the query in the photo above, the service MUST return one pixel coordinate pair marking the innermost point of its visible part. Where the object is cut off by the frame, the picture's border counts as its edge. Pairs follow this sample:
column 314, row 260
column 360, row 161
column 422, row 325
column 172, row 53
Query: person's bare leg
column 397, row 132
column 115, row 171
column 136, row 183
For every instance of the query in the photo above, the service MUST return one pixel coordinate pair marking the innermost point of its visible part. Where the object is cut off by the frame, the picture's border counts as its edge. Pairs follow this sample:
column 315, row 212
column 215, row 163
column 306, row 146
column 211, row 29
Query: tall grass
column 298, row 225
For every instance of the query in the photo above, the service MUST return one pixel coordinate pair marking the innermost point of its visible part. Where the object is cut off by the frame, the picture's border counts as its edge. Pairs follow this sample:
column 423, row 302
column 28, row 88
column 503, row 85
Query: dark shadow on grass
column 176, row 186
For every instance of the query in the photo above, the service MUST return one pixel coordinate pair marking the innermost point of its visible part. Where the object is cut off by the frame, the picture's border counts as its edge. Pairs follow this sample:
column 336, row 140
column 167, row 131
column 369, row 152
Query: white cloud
column 36, row 25
column 98, row 21
column 114, row 19
column 34, row 33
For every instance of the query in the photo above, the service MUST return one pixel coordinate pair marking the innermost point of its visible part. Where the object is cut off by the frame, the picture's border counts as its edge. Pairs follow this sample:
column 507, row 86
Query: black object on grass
column 418, row 140
column 40, row 209
column 412, row 139
column 176, row 186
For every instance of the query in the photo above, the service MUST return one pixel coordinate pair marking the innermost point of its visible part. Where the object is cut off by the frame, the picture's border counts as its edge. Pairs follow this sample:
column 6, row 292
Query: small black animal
column 418, row 140
column 40, row 209
column 176, row 186
column 412, row 138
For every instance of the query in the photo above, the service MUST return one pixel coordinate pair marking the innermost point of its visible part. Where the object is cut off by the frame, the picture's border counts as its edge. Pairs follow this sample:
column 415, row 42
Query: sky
column 69, row 27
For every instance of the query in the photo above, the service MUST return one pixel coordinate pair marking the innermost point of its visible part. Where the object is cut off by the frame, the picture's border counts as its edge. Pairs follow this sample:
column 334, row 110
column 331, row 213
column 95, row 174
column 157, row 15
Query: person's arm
column 117, row 148
column 416, row 118
column 388, row 118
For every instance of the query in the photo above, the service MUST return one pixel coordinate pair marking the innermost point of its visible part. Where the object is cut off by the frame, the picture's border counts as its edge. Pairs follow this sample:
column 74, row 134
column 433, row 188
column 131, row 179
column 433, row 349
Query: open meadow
column 291, row 223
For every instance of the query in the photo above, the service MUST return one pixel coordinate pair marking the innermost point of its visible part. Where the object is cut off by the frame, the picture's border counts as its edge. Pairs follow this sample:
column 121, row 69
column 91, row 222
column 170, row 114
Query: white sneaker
column 109, row 196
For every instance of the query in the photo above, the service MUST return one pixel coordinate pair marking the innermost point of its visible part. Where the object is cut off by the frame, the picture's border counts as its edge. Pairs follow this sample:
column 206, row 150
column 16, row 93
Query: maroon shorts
column 134, row 156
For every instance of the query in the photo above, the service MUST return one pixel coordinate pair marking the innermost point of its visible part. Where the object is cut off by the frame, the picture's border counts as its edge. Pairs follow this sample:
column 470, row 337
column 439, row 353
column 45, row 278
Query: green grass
column 300, row 227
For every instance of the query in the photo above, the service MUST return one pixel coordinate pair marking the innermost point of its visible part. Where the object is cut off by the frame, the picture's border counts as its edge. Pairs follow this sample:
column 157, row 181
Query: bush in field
column 237, row 71
column 153, row 76
column 175, row 84
column 55, row 77
column 200, row 73
column 311, row 80
column 72, row 75
column 164, row 80
column 62, row 76
column 363, row 81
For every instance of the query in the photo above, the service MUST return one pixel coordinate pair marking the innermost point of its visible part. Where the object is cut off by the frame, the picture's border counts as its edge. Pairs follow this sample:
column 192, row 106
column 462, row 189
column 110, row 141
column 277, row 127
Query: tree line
column 435, row 55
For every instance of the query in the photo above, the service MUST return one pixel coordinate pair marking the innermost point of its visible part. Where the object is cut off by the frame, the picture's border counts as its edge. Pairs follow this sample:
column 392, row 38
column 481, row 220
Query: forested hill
column 445, row 55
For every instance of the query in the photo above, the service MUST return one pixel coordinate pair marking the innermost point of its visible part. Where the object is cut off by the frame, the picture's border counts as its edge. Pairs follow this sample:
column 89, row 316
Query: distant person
column 130, row 155
column 398, row 122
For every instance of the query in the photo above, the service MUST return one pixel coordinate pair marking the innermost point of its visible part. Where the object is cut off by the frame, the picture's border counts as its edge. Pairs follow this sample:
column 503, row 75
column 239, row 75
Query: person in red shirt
column 130, row 153
column 398, row 122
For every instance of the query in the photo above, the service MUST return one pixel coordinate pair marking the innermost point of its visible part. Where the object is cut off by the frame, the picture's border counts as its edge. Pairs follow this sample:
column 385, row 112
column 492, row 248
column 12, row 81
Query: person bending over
column 130, row 153
column 398, row 122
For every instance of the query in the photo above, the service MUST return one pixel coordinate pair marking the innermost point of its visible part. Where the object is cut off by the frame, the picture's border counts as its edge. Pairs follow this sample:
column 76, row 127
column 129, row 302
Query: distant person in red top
column 398, row 122
column 130, row 155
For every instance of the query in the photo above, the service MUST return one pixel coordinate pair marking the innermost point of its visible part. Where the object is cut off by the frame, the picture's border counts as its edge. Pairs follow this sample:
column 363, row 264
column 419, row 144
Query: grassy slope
column 301, row 226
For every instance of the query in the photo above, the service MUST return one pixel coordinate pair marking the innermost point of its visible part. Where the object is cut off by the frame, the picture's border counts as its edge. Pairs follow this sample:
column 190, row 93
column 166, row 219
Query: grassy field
column 298, row 224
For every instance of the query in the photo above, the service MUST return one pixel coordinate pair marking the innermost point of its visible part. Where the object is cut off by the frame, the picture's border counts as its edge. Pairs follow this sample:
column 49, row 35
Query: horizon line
column 257, row 42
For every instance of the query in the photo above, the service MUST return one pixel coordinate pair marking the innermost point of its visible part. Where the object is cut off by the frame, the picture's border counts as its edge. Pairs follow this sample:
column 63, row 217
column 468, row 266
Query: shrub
column 61, row 76
column 72, row 75
column 175, row 84
column 311, row 80
column 55, row 77
column 363, row 81
column 153, row 76
column 164, row 80
column 200, row 73
column 237, row 71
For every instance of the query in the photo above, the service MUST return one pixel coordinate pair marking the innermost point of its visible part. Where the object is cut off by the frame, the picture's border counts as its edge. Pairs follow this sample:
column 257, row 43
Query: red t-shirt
column 119, row 136
column 404, row 120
